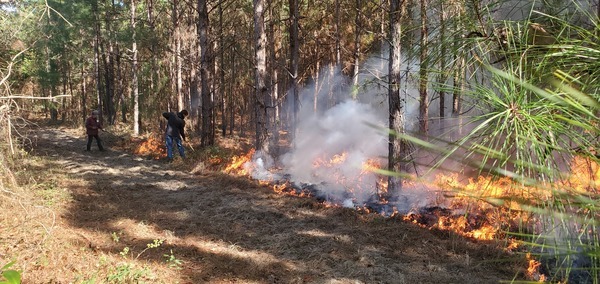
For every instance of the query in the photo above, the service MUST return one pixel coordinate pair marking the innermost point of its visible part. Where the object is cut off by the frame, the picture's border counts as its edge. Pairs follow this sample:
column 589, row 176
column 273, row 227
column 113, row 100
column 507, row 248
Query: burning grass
column 153, row 146
column 485, row 208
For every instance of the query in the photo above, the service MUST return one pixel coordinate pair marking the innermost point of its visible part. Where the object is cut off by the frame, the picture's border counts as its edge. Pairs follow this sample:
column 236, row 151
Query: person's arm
column 89, row 124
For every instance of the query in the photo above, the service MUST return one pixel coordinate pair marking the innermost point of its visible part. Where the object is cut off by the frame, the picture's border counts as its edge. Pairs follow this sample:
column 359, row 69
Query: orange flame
column 585, row 175
column 237, row 164
column 334, row 160
column 484, row 221
column 533, row 270
column 152, row 146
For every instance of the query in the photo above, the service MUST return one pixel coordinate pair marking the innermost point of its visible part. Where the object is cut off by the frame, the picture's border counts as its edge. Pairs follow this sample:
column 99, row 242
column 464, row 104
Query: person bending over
column 175, row 132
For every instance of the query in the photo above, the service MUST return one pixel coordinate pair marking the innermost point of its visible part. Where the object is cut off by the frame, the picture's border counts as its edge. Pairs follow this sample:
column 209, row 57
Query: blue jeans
column 170, row 139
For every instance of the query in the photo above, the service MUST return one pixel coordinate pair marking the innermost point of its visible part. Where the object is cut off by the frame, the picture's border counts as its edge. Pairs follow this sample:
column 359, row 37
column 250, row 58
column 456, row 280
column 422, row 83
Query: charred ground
column 102, row 217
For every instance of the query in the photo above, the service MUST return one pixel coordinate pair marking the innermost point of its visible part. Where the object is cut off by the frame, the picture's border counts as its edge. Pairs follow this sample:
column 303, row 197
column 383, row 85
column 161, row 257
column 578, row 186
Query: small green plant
column 115, row 237
column 127, row 273
column 124, row 252
column 173, row 261
column 154, row 244
column 10, row 276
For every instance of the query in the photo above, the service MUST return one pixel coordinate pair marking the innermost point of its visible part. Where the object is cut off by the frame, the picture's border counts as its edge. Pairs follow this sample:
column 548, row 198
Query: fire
column 336, row 159
column 483, row 188
column 152, row 146
column 585, row 175
column 461, row 206
column 237, row 164
column 533, row 270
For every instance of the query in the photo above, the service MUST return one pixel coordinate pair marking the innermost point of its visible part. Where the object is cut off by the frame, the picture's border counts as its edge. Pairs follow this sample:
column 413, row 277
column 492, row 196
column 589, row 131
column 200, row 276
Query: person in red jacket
column 92, row 124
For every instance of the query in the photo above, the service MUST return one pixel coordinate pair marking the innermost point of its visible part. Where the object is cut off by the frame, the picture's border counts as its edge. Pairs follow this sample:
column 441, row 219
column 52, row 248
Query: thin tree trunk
column 423, row 80
column 294, row 53
column 458, row 87
column 274, row 46
column 108, row 81
column 442, row 77
column 261, row 91
column 207, row 132
column 154, row 72
column 357, row 51
column 214, row 91
column 397, row 147
column 134, row 80
column 97, row 72
column 337, row 54
column 224, row 105
column 383, row 40
column 232, row 106
column 83, row 94
column 121, row 88
column 338, row 44
column 177, row 55
column 316, row 74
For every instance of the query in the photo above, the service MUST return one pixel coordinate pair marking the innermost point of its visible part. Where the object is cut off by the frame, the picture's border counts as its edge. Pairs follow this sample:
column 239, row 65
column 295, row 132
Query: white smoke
column 260, row 167
column 347, row 131
column 337, row 122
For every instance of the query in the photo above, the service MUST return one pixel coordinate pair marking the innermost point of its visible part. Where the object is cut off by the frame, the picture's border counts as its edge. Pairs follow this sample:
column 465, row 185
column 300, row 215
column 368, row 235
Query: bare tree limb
column 33, row 97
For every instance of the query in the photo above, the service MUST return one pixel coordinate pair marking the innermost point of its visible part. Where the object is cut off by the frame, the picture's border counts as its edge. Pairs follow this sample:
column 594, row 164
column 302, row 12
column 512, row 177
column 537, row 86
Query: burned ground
column 101, row 217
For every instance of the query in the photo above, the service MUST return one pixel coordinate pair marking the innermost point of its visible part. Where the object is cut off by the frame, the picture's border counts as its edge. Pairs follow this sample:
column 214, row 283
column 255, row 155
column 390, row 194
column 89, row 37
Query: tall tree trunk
column 423, row 80
column 294, row 53
column 338, row 36
column 260, row 91
column 458, row 84
column 274, row 46
column 109, row 67
column 261, row 131
column 397, row 147
column 121, row 87
column 383, row 39
column 224, row 105
column 316, row 80
column 108, row 82
column 178, row 60
column 357, row 47
column 214, row 91
column 334, row 88
column 83, row 94
column 443, row 76
column 154, row 77
column 134, row 80
column 232, row 105
column 207, row 132
column 97, row 39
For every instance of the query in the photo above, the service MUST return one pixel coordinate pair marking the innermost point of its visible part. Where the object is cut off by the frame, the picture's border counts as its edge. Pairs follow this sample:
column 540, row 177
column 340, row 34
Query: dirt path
column 224, row 229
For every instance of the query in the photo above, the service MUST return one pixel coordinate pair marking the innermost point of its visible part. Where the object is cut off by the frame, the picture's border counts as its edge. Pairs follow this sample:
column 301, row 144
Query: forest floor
column 117, row 217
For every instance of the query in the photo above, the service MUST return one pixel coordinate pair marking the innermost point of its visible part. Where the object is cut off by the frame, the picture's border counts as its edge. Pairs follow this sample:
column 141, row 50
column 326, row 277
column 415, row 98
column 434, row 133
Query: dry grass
column 89, row 218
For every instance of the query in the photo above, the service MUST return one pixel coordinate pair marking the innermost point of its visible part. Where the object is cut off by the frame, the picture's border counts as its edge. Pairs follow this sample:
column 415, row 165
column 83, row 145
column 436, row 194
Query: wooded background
column 518, row 78
column 240, row 65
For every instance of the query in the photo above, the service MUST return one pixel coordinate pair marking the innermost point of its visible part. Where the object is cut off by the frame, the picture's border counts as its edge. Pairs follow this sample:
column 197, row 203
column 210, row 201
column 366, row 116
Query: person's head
column 183, row 113
column 95, row 113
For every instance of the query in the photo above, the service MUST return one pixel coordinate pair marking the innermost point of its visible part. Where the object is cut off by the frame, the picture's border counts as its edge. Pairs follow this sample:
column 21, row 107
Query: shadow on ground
column 230, row 229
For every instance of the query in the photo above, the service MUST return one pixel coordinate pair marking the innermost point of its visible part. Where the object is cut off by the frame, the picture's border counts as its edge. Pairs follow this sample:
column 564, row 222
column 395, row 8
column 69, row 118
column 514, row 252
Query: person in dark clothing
column 175, row 132
column 92, row 124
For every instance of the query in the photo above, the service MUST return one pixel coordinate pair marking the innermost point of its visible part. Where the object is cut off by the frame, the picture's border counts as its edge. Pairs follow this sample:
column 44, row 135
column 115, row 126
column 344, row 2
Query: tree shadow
column 228, row 228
